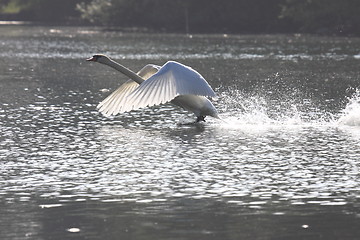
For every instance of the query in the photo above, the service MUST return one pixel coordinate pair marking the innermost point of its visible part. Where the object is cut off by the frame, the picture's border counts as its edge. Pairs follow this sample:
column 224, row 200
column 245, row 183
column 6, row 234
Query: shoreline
column 164, row 31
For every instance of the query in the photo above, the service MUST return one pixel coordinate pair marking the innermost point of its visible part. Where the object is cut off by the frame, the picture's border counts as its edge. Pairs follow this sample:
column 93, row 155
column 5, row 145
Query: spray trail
column 259, row 111
column 350, row 115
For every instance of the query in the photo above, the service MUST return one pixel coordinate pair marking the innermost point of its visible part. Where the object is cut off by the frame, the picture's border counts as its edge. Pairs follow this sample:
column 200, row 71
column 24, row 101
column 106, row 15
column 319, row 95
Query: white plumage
column 153, row 85
column 116, row 101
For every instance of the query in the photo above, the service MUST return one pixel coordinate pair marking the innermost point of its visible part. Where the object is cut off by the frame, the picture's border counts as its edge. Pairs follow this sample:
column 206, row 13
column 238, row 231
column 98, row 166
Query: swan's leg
column 200, row 118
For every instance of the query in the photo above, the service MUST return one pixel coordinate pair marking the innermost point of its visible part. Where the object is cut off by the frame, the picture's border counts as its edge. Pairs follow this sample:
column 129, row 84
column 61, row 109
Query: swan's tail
column 221, row 119
column 215, row 115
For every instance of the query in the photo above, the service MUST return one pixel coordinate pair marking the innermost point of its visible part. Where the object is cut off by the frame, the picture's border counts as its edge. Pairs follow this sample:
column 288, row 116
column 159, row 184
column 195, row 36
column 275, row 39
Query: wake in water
column 240, row 110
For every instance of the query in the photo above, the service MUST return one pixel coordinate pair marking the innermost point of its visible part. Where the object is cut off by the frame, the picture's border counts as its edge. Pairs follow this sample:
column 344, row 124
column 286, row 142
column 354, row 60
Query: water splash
column 350, row 115
column 258, row 111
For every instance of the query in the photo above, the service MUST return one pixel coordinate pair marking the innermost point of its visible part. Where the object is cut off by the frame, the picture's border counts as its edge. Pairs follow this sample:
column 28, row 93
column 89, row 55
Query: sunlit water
column 282, row 163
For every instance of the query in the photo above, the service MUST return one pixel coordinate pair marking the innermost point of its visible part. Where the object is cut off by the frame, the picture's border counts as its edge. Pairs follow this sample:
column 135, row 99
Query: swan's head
column 98, row 58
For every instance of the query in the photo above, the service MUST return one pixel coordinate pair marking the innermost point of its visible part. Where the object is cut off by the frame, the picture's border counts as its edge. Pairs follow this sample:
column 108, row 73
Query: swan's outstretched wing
column 112, row 105
column 148, row 71
column 172, row 80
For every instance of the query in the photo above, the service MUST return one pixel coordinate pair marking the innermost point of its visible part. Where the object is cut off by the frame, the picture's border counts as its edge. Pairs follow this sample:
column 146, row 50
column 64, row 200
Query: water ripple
column 120, row 161
column 273, row 146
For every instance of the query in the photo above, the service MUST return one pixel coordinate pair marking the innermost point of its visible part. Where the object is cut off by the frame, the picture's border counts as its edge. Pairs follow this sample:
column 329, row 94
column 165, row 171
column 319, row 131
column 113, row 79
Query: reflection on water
column 72, row 43
column 283, row 159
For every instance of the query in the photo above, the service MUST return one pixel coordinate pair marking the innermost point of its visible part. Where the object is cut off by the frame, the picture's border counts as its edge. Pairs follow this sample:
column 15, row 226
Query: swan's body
column 153, row 85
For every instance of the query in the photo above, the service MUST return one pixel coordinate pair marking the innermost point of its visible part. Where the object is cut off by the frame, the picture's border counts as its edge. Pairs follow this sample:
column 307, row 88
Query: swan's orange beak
column 92, row 59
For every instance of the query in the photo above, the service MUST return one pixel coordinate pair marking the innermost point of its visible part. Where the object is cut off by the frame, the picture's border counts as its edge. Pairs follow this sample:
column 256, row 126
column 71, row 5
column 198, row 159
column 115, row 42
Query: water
column 283, row 163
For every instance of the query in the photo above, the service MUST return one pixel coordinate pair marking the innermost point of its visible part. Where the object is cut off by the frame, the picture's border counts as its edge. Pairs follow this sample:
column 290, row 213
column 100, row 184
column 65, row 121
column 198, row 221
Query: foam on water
column 256, row 113
column 350, row 115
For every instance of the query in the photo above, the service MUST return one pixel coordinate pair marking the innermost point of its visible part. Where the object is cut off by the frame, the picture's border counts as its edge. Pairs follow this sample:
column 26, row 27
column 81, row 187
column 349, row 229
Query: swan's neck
column 124, row 70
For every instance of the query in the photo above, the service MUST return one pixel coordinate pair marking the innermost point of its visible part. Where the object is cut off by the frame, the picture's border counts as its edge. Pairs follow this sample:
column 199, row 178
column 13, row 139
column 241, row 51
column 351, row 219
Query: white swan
column 153, row 85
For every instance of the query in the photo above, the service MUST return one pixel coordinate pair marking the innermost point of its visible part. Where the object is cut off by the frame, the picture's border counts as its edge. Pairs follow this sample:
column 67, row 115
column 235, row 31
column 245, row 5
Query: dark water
column 284, row 163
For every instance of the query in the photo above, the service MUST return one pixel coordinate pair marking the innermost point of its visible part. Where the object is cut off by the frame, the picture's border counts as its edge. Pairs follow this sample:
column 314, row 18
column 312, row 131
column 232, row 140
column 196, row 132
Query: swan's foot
column 200, row 119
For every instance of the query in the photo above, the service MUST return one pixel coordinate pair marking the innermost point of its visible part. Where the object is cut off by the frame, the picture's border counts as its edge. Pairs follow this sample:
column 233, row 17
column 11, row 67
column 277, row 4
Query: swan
column 152, row 85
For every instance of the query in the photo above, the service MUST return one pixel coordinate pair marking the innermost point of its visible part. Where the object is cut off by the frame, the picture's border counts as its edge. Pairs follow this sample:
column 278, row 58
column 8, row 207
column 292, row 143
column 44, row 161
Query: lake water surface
column 283, row 163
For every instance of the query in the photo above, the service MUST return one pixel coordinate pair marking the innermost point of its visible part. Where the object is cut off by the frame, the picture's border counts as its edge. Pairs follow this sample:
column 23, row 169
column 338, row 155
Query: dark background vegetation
column 339, row 17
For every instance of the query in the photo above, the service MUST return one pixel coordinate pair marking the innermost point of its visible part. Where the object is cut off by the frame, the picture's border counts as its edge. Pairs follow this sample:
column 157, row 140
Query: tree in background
column 233, row 16
column 139, row 13
column 314, row 16
column 180, row 15
column 323, row 16
column 40, row 10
